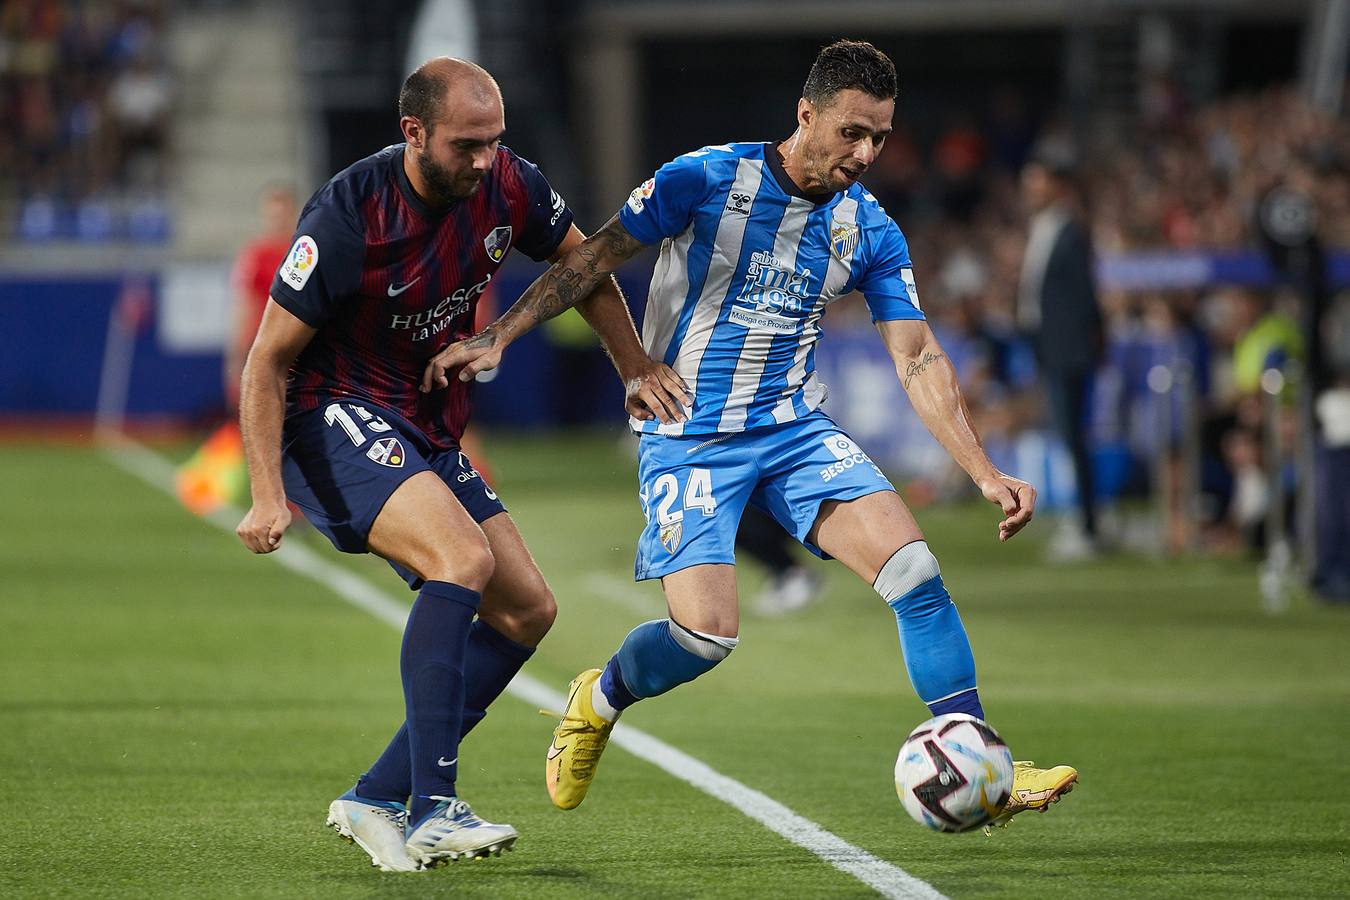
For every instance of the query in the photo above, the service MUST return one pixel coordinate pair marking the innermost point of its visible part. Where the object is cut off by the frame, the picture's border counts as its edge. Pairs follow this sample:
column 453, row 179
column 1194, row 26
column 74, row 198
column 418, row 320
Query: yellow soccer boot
column 1035, row 788
column 578, row 741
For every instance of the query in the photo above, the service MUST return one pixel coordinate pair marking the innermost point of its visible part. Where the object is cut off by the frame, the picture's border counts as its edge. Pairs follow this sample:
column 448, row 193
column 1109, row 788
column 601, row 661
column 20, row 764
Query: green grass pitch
column 175, row 714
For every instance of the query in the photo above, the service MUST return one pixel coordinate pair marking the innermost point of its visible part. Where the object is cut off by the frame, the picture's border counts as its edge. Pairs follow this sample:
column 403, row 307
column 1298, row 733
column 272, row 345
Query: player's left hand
column 479, row 353
column 1015, row 497
column 654, row 390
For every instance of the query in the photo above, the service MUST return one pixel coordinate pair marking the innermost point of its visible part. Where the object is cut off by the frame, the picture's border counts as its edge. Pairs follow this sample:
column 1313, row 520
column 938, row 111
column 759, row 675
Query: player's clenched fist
column 1015, row 497
column 479, row 353
column 261, row 529
column 654, row 390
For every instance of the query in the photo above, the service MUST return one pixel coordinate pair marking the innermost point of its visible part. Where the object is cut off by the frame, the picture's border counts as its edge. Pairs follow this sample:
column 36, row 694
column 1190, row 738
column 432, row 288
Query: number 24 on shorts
column 663, row 493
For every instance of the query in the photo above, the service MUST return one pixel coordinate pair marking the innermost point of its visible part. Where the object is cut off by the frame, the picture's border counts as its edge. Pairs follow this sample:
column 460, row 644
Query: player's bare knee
column 477, row 565
column 542, row 612
column 525, row 622
column 710, row 621
column 468, row 563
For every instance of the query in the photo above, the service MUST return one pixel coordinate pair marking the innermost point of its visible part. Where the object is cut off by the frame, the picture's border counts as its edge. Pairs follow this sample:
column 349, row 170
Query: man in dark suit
column 1057, row 307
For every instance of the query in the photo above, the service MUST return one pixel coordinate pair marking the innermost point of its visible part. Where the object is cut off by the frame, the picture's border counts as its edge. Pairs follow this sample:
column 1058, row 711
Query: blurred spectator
column 791, row 586
column 1331, row 579
column 1057, row 305
column 85, row 97
column 139, row 102
column 216, row 474
column 1191, row 182
column 251, row 279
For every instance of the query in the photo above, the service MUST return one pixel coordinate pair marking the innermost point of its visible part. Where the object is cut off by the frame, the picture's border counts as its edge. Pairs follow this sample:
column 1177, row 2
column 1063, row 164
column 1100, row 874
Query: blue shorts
column 342, row 462
column 694, row 489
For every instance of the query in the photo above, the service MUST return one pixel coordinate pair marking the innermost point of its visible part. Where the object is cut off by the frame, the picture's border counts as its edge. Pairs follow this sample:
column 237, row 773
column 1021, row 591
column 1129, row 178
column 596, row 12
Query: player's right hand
column 655, row 390
column 261, row 529
column 479, row 353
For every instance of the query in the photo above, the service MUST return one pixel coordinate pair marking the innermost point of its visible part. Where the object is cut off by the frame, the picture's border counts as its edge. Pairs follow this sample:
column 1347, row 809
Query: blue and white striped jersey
column 747, row 266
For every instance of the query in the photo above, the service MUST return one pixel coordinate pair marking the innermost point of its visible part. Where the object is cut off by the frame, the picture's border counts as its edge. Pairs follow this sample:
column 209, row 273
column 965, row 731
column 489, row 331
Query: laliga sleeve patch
column 907, row 276
column 641, row 193
column 300, row 262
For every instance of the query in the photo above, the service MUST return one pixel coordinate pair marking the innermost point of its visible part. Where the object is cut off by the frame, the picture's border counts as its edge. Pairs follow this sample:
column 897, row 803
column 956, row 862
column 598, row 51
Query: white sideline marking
column 885, row 878
column 620, row 592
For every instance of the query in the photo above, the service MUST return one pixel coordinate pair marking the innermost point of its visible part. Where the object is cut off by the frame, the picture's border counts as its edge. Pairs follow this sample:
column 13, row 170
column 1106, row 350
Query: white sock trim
column 908, row 567
column 600, row 703
column 709, row 646
column 950, row 696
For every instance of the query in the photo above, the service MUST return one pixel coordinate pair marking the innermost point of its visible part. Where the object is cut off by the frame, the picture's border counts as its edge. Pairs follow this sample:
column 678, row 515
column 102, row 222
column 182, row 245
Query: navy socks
column 491, row 660
column 432, row 665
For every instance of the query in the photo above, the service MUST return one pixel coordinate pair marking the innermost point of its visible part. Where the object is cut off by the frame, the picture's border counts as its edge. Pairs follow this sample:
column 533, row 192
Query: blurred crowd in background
column 1188, row 180
column 87, row 91
column 85, row 95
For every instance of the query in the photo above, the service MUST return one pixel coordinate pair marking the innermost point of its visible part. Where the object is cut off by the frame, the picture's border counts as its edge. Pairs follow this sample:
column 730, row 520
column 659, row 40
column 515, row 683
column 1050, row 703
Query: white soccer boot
column 452, row 830
column 377, row 827
column 788, row 592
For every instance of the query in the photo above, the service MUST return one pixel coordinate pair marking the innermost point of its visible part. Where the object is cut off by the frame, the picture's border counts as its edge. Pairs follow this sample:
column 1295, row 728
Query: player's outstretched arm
column 930, row 380
column 651, row 389
column 564, row 285
column 262, row 405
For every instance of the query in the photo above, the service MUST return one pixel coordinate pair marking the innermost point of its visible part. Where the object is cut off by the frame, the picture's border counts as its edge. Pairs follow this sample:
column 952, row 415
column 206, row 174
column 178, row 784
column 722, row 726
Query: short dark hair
column 850, row 64
column 421, row 97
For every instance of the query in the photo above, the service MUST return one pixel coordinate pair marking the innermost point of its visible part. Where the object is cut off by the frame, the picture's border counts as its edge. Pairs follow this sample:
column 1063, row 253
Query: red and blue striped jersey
column 389, row 282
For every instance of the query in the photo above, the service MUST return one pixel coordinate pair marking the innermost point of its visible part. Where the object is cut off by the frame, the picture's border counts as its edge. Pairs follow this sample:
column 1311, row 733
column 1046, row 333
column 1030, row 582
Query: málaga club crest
column 843, row 240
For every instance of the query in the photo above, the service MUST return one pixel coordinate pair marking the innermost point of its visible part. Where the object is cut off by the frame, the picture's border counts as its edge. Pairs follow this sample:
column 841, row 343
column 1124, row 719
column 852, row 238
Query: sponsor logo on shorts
column 300, row 262
column 670, row 535
column 469, row 473
column 497, row 242
column 387, row 452
column 847, row 455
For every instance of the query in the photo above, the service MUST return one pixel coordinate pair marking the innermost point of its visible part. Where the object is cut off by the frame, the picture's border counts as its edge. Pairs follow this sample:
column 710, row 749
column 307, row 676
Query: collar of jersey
column 405, row 187
column 785, row 181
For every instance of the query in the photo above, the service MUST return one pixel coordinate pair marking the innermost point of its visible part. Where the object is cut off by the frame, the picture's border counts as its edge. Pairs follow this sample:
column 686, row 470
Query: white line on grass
column 887, row 879
column 620, row 592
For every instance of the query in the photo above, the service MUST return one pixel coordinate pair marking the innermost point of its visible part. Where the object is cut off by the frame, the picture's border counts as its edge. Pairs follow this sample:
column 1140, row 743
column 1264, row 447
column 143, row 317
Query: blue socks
column 932, row 638
column 432, row 665
column 491, row 660
column 658, row 655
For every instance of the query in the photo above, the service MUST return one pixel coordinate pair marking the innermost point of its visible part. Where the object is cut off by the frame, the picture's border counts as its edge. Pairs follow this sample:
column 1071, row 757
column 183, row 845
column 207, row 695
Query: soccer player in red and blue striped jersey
column 387, row 264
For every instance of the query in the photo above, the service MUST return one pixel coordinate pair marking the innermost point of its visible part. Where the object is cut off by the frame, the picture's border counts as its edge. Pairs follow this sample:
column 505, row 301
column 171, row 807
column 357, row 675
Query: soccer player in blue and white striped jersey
column 756, row 240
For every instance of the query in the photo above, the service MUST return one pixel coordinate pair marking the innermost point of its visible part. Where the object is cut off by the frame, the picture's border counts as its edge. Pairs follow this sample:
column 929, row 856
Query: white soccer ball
column 954, row 773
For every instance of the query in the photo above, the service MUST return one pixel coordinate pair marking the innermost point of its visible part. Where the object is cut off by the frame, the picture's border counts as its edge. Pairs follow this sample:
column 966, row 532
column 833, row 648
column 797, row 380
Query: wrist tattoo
column 918, row 368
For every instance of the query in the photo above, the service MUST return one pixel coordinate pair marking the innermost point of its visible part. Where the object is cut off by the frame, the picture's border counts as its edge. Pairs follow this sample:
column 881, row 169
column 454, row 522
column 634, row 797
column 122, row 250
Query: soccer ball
column 954, row 773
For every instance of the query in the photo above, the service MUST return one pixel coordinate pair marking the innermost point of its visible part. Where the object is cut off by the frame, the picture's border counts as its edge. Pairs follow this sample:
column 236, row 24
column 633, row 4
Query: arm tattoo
column 564, row 286
column 918, row 368
column 481, row 340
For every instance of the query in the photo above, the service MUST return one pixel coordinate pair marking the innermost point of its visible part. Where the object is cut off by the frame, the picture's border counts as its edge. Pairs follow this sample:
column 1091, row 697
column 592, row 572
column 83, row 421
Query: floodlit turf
column 175, row 714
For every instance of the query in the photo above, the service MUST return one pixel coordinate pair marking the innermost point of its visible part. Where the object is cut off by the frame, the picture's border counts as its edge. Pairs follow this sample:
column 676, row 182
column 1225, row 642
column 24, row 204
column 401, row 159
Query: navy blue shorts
column 342, row 462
